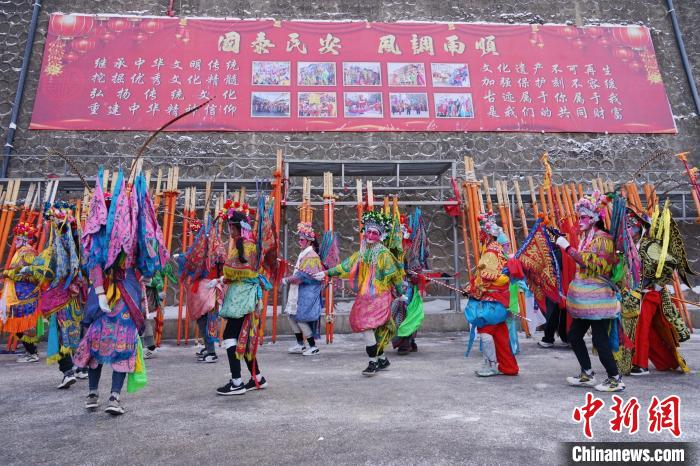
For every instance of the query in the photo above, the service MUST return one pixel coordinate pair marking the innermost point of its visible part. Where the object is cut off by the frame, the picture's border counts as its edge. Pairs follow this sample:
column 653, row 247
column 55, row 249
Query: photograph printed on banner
column 409, row 105
column 450, row 74
column 362, row 74
column 453, row 106
column 269, row 104
column 363, row 105
column 406, row 74
column 317, row 105
column 271, row 73
column 316, row 73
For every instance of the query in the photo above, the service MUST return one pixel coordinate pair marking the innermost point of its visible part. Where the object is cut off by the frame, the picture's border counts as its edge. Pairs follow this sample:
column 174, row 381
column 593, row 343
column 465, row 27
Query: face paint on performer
column 372, row 235
column 303, row 242
column 585, row 222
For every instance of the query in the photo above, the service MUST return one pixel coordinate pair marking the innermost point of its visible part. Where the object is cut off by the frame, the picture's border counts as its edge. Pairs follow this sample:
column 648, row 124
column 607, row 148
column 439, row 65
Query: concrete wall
column 576, row 156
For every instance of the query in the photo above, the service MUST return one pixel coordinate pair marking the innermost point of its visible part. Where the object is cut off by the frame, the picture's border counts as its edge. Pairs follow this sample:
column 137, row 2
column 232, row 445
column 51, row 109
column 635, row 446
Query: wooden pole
column 533, row 196
column 11, row 208
column 277, row 218
column 521, row 209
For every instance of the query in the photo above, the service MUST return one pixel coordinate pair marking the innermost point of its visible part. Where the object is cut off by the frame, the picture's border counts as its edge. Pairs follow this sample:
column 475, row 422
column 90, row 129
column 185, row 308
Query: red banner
column 137, row 73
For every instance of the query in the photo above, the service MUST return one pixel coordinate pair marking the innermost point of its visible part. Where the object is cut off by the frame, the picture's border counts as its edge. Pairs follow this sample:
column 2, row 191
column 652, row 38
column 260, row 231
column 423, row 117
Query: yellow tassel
column 666, row 230
column 681, row 362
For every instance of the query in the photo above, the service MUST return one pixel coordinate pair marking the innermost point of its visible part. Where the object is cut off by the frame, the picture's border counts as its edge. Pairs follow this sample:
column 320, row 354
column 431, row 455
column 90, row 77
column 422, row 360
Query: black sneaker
column 382, row 364
column 68, row 380
column 251, row 384
column 639, row 371
column 230, row 389
column 114, row 407
column 93, row 401
column 202, row 351
column 371, row 369
column 208, row 358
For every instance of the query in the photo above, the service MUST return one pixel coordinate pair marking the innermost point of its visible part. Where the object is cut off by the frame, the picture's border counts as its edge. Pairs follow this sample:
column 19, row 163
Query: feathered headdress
column 306, row 230
column 377, row 220
column 25, row 230
column 592, row 206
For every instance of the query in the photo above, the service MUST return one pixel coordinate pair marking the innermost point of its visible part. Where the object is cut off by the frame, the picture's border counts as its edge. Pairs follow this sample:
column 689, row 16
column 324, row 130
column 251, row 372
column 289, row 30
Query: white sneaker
column 583, row 380
column 611, row 384
column 149, row 354
column 67, row 381
column 297, row 349
column 545, row 344
column 82, row 375
column 311, row 351
column 28, row 358
column 488, row 372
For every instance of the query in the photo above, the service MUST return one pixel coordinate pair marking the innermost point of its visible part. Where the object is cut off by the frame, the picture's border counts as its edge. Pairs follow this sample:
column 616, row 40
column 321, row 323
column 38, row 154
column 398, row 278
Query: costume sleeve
column 96, row 277
column 389, row 271
column 599, row 258
column 343, row 269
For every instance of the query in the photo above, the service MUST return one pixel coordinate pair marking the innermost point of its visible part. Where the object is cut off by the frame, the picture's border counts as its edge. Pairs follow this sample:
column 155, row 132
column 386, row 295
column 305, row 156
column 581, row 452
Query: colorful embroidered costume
column 489, row 298
column 304, row 300
column 21, row 295
column 65, row 291
column 242, row 302
column 592, row 297
column 376, row 275
column 123, row 245
column 200, row 265
column 650, row 319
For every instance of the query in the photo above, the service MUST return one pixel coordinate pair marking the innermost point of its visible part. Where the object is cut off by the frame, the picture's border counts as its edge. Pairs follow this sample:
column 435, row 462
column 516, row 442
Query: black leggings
column 556, row 322
column 599, row 329
column 231, row 332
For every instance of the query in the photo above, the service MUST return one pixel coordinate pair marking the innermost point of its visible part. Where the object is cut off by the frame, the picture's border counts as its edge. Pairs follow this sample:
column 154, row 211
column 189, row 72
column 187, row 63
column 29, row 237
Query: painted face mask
column 585, row 222
column 303, row 242
column 372, row 236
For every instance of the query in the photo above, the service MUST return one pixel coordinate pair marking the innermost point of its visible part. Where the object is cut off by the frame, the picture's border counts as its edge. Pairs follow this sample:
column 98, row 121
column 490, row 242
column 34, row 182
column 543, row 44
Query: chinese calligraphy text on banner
column 136, row 73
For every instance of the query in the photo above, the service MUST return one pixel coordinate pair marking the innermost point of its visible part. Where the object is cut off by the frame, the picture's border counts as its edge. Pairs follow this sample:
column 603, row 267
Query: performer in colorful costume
column 202, row 263
column 304, row 303
column 65, row 289
column 19, row 311
column 592, row 300
column 242, row 303
column 489, row 300
column 124, row 248
column 409, row 314
column 377, row 277
column 656, row 327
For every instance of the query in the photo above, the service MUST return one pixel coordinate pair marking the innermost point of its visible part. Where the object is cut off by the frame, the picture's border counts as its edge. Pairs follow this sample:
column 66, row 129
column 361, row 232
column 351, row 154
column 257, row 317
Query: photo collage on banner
column 362, row 94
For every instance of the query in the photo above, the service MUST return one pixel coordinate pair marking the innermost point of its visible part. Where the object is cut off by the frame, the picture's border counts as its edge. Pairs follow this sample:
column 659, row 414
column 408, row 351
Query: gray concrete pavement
column 428, row 408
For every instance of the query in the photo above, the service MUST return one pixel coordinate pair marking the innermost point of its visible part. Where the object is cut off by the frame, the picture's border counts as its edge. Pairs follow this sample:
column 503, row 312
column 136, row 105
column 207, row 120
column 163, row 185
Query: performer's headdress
column 488, row 224
column 638, row 219
column 61, row 212
column 306, row 231
column 664, row 250
column 195, row 225
column 376, row 220
column 25, row 230
column 592, row 206
column 235, row 212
